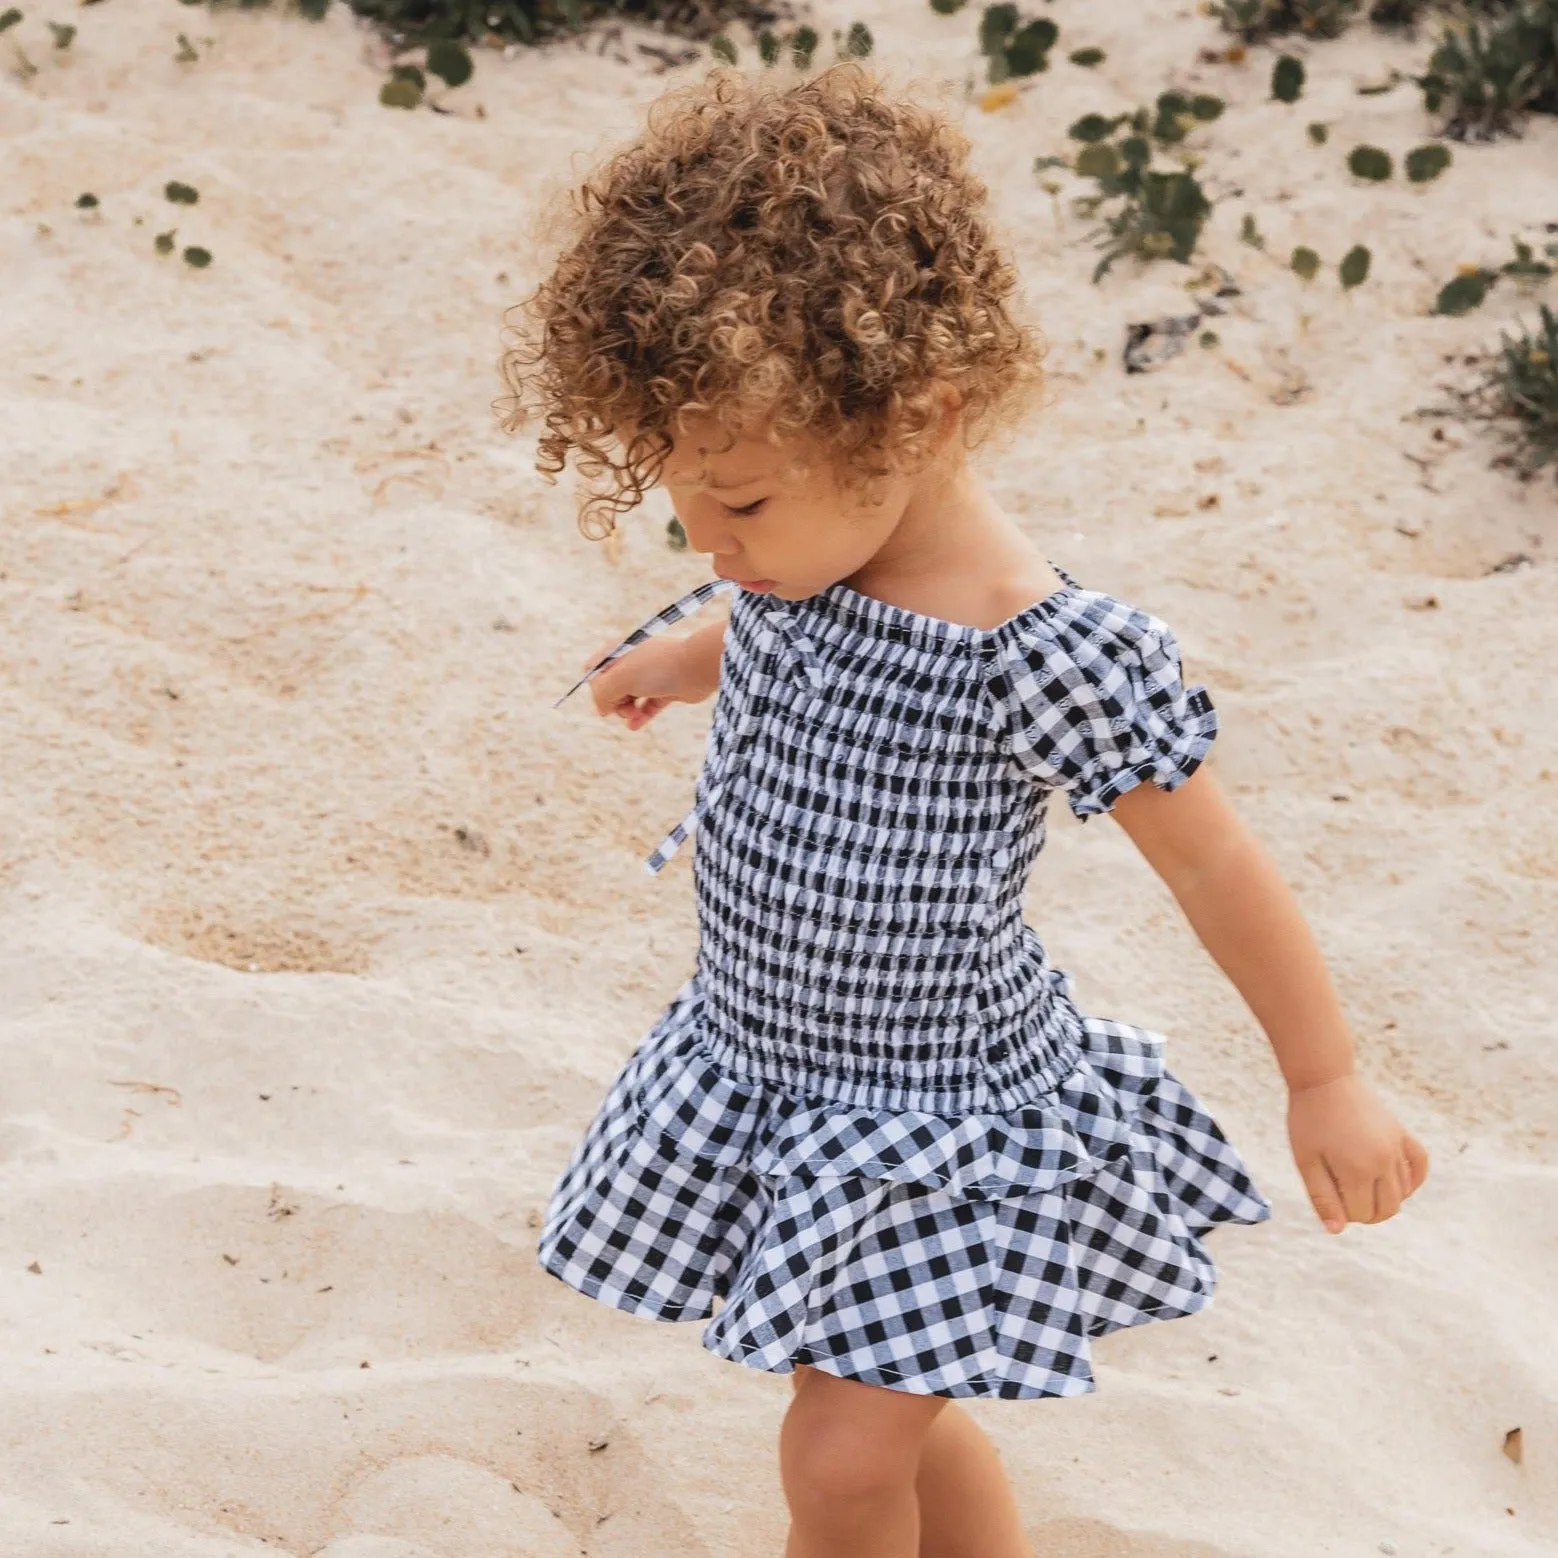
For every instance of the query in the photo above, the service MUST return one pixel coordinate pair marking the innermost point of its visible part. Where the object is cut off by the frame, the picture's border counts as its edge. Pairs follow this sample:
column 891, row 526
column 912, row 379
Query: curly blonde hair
column 810, row 258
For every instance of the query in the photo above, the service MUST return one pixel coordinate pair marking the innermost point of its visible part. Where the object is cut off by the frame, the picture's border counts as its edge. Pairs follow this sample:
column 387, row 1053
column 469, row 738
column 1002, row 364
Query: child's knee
column 845, row 1446
column 839, row 1466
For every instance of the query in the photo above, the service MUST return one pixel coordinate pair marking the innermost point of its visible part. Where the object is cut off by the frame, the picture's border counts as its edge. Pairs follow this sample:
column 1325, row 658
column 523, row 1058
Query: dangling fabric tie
column 800, row 648
column 692, row 601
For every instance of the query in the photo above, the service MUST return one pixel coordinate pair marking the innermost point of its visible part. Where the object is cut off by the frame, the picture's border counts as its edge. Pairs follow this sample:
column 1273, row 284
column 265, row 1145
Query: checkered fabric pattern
column 873, row 1133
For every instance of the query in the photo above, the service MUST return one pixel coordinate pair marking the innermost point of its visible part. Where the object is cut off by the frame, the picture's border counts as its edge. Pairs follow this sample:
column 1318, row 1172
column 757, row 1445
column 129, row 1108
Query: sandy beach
column 322, row 933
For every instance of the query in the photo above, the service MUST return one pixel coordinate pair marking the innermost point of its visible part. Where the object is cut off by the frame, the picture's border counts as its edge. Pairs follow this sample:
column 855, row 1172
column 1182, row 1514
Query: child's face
column 775, row 516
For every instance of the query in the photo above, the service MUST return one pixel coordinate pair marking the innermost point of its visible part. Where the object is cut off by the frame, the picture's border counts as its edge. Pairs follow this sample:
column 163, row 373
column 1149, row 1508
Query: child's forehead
column 719, row 464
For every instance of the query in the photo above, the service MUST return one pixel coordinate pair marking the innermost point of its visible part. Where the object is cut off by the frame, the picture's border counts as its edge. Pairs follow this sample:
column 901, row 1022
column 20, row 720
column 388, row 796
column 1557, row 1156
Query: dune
column 322, row 933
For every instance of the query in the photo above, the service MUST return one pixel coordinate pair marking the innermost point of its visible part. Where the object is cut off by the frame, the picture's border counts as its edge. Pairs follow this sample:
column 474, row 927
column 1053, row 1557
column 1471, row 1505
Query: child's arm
column 1356, row 1159
column 660, row 671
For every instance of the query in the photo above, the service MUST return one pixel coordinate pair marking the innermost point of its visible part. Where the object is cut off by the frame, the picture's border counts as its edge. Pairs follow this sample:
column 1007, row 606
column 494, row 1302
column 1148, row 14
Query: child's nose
column 705, row 534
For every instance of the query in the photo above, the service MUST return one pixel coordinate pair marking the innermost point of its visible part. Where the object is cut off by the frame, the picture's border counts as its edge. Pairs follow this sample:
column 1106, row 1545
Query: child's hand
column 1357, row 1160
column 648, row 677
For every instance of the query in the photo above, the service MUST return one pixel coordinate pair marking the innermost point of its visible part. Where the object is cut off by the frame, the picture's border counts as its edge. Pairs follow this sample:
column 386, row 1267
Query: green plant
column 1087, row 58
column 1487, row 79
column 1305, row 263
column 1464, row 292
column 1424, row 163
column 1354, row 269
column 1287, row 79
column 947, row 7
column 1319, row 133
column 1522, row 386
column 1013, row 46
column 1369, row 162
column 1470, row 287
column 1256, row 20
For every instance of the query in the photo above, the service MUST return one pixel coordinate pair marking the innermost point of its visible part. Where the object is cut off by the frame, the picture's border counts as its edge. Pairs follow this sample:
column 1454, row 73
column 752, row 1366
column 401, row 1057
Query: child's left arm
column 1357, row 1161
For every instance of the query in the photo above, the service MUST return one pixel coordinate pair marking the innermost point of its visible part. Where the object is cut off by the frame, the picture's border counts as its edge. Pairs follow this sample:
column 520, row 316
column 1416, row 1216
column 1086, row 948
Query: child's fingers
column 1417, row 1160
column 1387, row 1197
column 1324, row 1195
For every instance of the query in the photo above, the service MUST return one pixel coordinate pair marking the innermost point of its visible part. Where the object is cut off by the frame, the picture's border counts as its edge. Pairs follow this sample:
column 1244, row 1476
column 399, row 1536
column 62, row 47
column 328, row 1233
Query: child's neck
column 957, row 555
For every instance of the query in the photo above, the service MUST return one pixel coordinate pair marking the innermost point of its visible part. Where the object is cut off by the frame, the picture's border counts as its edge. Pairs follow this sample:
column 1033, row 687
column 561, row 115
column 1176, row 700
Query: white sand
column 287, row 1068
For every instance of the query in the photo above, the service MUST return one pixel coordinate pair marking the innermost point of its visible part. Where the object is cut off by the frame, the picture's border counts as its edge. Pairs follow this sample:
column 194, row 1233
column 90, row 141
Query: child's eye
column 747, row 509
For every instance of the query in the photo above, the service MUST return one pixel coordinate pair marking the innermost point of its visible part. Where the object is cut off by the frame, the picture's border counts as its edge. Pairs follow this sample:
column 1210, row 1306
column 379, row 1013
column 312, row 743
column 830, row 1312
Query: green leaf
column 313, row 10
column 1305, row 263
column 1287, row 79
column 722, row 48
column 1136, row 151
column 1209, row 339
column 1027, row 53
column 86, row 202
column 9, row 18
column 1463, row 293
column 164, row 241
column 411, row 73
column 1100, row 161
column 1092, row 127
column 858, row 42
column 1251, row 234
column 63, row 34
column 181, row 194
column 947, row 7
column 187, row 54
column 1087, row 58
column 1427, row 162
column 803, row 44
column 768, row 46
column 1206, row 108
column 198, row 257
column 675, row 536
column 997, row 25
column 1369, row 162
column 1525, row 265
column 400, row 93
column 1319, row 133
column 1354, row 269
column 450, row 62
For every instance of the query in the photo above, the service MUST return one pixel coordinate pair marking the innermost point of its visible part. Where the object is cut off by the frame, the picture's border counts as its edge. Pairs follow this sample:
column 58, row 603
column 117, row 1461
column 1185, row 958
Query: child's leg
column 872, row 1473
column 966, row 1505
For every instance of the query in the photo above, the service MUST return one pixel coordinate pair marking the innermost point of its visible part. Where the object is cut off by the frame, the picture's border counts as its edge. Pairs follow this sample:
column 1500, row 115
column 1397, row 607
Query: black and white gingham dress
column 872, row 1133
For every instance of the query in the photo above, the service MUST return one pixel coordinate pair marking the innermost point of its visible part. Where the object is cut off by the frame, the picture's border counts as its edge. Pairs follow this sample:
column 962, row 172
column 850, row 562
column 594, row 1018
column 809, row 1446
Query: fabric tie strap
column 800, row 648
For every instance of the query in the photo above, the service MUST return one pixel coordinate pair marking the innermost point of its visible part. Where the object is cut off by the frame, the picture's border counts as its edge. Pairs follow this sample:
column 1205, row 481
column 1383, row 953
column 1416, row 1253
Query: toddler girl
column 872, row 1136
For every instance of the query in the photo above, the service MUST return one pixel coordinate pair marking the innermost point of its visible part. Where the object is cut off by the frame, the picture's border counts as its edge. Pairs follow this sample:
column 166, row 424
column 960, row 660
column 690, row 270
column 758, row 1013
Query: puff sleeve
column 1094, row 703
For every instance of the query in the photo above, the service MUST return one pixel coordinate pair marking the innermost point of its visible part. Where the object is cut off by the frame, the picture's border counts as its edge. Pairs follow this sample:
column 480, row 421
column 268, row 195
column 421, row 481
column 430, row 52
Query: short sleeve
column 1095, row 704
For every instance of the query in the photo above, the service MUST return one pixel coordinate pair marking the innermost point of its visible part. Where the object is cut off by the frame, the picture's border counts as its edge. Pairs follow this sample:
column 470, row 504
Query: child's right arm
column 659, row 671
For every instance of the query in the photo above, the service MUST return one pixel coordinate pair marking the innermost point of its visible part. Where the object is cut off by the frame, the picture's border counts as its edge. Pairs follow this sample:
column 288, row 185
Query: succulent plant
column 1488, row 78
column 1257, row 20
column 1522, row 386
column 1305, row 263
column 449, row 61
column 1424, row 163
column 1369, row 162
column 1354, row 269
column 1465, row 291
column 1014, row 46
column 1287, row 79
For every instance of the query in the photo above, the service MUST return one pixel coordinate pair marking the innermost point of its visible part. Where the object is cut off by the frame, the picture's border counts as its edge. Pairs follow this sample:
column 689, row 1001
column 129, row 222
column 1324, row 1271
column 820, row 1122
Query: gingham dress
column 872, row 1133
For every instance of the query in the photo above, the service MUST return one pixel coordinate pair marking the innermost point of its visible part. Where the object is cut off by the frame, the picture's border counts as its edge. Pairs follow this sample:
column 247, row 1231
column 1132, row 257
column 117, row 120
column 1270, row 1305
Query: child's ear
column 950, row 412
